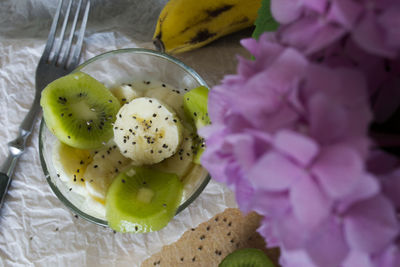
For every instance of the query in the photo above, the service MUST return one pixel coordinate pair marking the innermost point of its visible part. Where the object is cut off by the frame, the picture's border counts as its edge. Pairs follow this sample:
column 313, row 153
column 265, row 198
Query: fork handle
column 16, row 148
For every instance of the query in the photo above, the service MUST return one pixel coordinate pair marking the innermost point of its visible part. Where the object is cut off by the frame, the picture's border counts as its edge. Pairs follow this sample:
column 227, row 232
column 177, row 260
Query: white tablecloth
column 36, row 229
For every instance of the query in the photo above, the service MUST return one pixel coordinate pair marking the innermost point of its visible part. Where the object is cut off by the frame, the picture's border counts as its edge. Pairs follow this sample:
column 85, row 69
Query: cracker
column 211, row 241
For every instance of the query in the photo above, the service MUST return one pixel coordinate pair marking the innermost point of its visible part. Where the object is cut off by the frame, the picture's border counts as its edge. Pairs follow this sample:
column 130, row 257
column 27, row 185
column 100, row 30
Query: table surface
column 35, row 228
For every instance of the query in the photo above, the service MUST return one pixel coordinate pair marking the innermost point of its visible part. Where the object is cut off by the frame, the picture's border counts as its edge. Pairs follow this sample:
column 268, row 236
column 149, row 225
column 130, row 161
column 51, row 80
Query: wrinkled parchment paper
column 36, row 229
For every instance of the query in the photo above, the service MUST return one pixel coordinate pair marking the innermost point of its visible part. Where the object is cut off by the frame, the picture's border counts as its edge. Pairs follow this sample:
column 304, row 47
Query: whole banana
column 184, row 25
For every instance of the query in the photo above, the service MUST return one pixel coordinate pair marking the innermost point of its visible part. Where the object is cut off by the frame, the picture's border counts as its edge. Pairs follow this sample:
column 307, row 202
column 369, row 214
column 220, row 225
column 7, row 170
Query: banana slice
column 170, row 96
column 107, row 163
column 70, row 164
column 182, row 161
column 147, row 131
column 125, row 93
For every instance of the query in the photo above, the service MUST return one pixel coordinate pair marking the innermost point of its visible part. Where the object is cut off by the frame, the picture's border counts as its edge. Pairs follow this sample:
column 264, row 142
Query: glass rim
column 55, row 189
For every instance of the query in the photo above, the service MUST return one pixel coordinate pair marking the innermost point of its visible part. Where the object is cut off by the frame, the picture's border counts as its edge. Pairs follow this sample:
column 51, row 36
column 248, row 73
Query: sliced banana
column 70, row 164
column 170, row 96
column 107, row 163
column 182, row 161
column 147, row 131
column 125, row 93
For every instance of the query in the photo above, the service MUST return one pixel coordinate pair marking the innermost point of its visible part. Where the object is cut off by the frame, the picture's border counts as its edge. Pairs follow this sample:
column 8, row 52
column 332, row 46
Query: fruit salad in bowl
column 118, row 141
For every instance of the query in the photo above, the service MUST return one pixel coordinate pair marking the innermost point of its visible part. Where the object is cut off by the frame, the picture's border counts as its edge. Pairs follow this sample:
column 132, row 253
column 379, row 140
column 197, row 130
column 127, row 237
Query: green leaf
column 264, row 22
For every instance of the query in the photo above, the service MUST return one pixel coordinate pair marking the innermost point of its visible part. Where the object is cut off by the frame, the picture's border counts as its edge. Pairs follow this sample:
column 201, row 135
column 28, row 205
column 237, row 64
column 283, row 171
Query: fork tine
column 78, row 48
column 52, row 33
column 57, row 50
column 71, row 35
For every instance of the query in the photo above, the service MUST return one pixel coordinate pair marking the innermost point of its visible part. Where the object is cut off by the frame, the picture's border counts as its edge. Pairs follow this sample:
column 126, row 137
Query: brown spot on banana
column 201, row 36
column 211, row 14
column 218, row 11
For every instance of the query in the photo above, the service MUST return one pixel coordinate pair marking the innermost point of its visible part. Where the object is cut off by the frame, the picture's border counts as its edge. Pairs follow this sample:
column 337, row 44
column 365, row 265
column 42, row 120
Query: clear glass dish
column 113, row 68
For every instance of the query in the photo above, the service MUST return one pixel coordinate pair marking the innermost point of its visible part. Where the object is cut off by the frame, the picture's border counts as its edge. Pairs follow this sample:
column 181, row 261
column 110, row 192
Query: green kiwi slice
column 142, row 200
column 247, row 257
column 79, row 110
column 195, row 105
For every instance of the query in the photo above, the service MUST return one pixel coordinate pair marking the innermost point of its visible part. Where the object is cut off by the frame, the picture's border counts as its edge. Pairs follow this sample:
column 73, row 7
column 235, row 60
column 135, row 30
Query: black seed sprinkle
column 70, row 189
column 81, row 162
column 76, row 216
column 69, row 137
column 195, row 114
column 89, row 128
column 163, row 85
column 116, row 169
column 159, row 106
column 136, row 228
column 119, row 115
column 159, row 151
column 200, row 248
column 133, row 143
column 58, row 175
column 123, row 181
column 154, row 115
column 166, row 118
column 123, row 99
column 102, row 156
column 151, row 151
column 194, row 259
column 115, row 128
column 151, row 101
column 110, row 100
column 181, row 259
column 77, row 170
column 174, row 120
column 125, row 151
column 82, row 179
column 202, row 237
column 208, row 228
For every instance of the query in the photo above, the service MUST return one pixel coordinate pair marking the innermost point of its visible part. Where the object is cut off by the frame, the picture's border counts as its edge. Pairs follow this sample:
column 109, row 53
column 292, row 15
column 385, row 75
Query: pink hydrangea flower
column 289, row 137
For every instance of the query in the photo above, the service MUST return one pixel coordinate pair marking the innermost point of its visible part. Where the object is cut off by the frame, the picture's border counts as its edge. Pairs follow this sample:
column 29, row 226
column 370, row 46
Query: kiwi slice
column 142, row 200
column 79, row 110
column 195, row 105
column 247, row 257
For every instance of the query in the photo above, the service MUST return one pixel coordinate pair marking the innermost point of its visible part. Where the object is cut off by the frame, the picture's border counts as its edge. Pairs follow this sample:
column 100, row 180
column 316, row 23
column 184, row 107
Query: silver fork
column 58, row 59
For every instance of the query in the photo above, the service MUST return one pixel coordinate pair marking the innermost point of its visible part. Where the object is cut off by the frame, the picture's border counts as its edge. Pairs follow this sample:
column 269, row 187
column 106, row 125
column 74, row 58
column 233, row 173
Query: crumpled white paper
column 36, row 229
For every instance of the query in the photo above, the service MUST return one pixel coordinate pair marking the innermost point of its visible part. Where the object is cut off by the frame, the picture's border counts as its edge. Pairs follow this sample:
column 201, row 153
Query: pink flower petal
column 390, row 21
column 299, row 147
column 285, row 11
column 345, row 12
column 310, row 205
column 327, row 246
column 274, row 172
column 371, row 225
column 338, row 169
column 357, row 258
column 369, row 35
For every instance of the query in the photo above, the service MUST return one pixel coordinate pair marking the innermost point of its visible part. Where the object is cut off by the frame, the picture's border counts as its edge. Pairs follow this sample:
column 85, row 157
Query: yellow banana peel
column 185, row 25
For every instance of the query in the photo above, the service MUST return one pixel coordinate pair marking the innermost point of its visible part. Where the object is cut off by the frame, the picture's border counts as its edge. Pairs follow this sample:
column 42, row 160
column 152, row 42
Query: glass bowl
column 113, row 68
